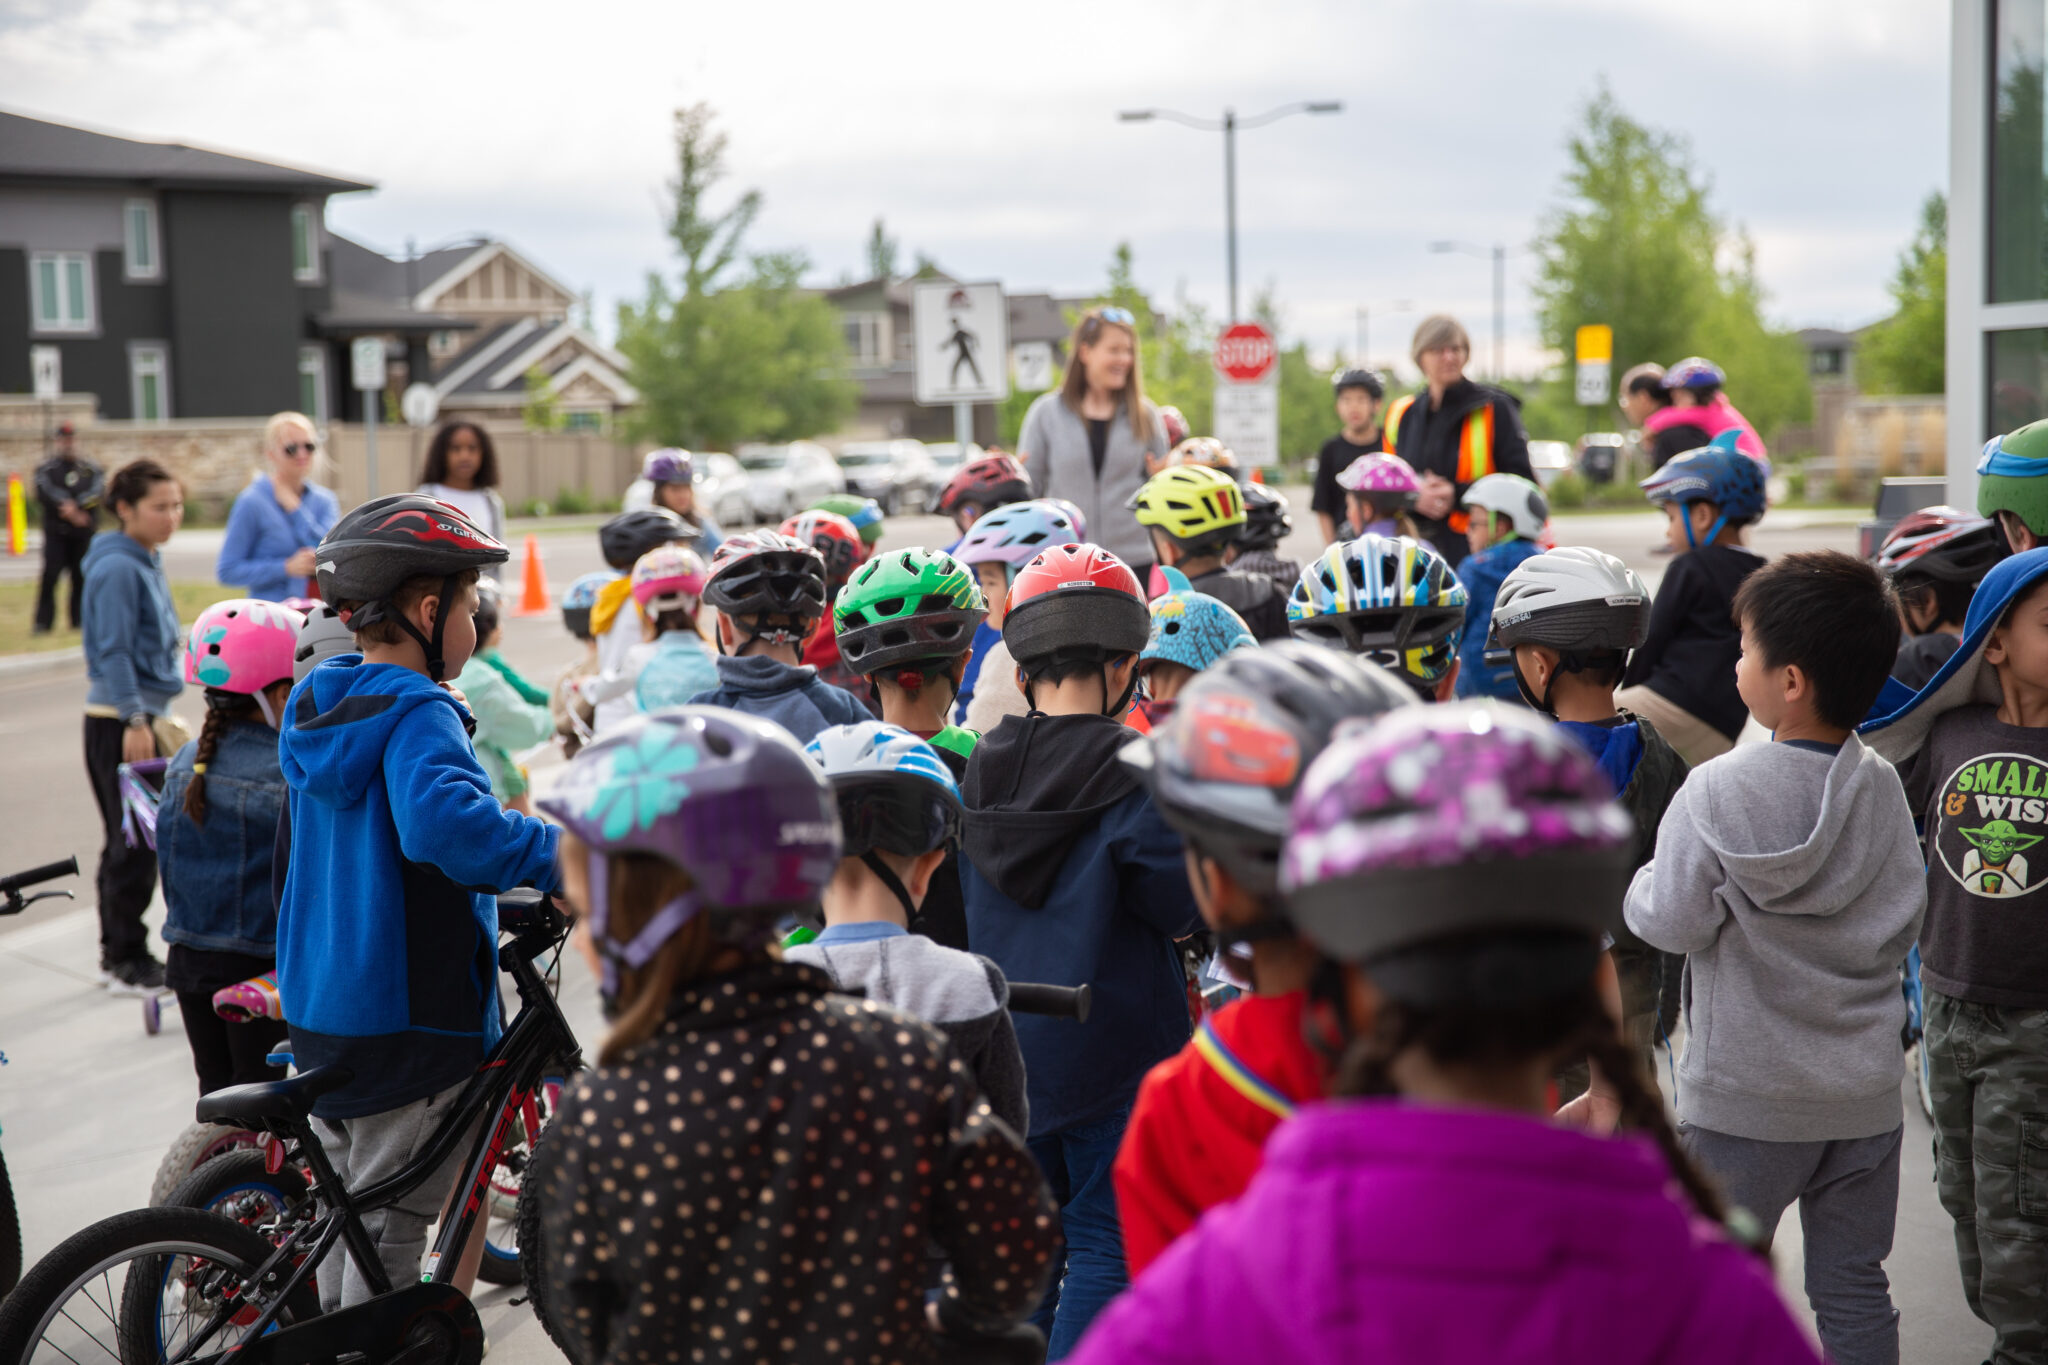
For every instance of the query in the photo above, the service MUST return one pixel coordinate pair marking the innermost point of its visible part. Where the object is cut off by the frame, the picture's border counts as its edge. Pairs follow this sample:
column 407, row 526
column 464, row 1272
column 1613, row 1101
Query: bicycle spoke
column 84, row 1331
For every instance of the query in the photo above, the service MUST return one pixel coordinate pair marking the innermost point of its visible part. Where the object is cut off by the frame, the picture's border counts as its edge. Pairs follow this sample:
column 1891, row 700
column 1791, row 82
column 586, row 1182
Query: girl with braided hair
column 216, row 831
column 1457, row 867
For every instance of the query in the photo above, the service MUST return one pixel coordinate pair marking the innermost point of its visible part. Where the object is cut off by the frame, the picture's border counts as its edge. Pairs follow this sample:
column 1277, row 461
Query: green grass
column 18, row 611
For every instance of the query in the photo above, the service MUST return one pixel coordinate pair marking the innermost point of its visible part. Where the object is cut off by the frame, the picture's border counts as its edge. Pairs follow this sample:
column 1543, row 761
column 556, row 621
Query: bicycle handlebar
column 47, row 872
column 1066, row 1002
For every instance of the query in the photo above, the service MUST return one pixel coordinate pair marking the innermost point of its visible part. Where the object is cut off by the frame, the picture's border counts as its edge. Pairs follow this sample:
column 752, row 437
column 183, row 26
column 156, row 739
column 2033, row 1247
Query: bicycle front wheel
column 144, row 1288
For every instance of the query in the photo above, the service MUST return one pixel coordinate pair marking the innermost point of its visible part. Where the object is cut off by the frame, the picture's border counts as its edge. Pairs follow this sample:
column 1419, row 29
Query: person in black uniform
column 1359, row 392
column 69, row 488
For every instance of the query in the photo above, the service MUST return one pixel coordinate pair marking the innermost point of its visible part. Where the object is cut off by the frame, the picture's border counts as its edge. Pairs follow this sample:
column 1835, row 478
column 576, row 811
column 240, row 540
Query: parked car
column 1602, row 455
column 784, row 479
column 896, row 474
column 1549, row 459
column 721, row 489
column 947, row 456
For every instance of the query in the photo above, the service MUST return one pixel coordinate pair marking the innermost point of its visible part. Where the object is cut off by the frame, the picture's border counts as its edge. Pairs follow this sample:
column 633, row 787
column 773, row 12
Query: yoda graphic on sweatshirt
column 1996, row 864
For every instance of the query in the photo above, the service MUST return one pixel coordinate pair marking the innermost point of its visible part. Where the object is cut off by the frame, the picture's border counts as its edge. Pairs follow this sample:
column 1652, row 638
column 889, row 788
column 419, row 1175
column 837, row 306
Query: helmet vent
column 717, row 742
column 892, row 606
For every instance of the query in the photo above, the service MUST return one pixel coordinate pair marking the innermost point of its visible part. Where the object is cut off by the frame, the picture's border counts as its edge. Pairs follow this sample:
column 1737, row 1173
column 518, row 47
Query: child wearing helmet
column 217, row 822
column 980, row 486
column 1683, row 677
column 622, row 541
column 1256, row 550
column 387, row 933
column 1697, row 412
column 994, row 549
column 1193, row 513
column 1358, row 393
column 1395, row 601
column 1071, row 877
column 574, row 715
column 838, row 542
column 1190, row 631
column 2012, row 485
column 899, row 807
column 690, row 833
column 769, row 592
column 1222, row 771
column 1379, row 492
column 1457, row 867
column 507, row 719
column 669, row 476
column 1935, row 558
column 865, row 514
column 1788, row 1090
column 1505, row 518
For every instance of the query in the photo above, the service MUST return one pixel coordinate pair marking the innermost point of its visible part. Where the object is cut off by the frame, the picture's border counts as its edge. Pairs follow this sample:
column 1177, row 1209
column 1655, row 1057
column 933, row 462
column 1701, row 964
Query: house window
column 1827, row 362
column 149, row 381
column 864, row 338
column 585, row 421
column 140, row 259
column 61, row 283
column 305, row 242
column 313, row 383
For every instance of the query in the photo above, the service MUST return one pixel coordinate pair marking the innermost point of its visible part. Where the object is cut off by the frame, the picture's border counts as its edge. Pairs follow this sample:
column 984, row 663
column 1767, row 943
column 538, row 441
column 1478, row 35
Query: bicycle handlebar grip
column 47, row 872
column 1066, row 1002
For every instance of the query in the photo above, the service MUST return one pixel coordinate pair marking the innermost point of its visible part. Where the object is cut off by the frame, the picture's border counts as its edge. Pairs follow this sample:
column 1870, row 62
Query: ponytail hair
column 222, row 710
column 1577, row 1025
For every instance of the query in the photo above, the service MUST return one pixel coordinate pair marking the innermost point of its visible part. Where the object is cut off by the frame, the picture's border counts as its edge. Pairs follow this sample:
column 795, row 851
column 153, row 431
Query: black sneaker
column 138, row 976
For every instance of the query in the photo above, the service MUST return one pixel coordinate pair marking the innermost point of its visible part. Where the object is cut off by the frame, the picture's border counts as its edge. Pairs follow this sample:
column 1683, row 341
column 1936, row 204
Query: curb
column 43, row 661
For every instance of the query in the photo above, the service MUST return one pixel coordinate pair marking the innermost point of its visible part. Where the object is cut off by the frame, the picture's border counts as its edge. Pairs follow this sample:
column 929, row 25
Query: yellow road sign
column 1596, row 344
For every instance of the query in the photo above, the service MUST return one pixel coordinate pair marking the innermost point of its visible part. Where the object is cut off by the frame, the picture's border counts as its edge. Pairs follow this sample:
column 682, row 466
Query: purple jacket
column 1379, row 1230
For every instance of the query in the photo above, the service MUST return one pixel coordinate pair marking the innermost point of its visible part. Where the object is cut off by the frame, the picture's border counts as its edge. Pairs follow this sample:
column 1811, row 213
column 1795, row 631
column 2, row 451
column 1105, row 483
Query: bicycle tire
column 10, row 1234
column 500, row 1265
column 131, row 1239
column 193, row 1148
column 220, row 1179
column 533, row 1265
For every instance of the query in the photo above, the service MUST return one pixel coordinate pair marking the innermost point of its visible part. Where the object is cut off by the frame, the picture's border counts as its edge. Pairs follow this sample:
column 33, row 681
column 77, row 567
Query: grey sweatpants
column 373, row 1148
column 1848, row 1195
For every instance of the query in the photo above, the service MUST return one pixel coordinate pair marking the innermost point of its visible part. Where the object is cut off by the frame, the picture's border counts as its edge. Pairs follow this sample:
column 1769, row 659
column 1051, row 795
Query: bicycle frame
column 503, row 1084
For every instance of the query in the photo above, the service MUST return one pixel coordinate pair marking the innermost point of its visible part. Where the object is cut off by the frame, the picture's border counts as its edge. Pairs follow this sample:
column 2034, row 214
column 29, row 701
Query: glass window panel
column 141, row 255
column 2019, row 144
column 48, row 307
column 302, row 242
column 151, row 405
column 2018, row 375
column 74, row 289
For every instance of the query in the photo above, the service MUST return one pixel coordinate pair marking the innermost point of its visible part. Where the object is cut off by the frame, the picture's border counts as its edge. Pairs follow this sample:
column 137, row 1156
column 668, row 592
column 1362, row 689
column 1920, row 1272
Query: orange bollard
column 533, row 592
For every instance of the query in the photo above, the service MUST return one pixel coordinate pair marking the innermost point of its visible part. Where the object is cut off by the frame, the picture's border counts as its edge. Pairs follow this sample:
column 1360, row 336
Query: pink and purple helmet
column 242, row 645
column 1074, row 514
column 668, row 578
column 728, row 798
column 670, row 464
column 1385, row 476
column 1460, row 819
column 1014, row 533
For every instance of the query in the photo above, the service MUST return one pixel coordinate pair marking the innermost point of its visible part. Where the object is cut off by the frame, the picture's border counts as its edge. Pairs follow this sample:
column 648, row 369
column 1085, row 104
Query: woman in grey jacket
column 1094, row 439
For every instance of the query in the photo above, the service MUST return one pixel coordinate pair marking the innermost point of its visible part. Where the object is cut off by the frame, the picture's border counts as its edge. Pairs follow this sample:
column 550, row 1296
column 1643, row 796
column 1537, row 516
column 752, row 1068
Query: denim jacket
column 217, row 875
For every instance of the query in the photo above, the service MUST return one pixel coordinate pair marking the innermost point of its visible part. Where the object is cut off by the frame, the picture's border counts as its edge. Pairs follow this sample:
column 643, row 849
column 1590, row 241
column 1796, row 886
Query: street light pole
column 1228, row 126
column 1499, row 253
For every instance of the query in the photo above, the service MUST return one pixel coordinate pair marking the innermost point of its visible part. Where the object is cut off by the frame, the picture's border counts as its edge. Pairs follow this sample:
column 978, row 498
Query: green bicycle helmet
column 906, row 606
column 864, row 513
column 2012, row 476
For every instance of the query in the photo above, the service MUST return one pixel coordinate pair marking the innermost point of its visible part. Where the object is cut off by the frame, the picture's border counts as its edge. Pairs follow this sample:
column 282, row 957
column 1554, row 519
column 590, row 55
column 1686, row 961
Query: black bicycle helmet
column 629, row 535
column 766, row 573
column 1266, row 522
column 387, row 541
column 1359, row 377
column 1223, row 767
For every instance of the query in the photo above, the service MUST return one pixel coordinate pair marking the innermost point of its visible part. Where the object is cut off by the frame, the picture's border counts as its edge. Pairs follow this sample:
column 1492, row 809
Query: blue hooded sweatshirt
column 387, row 937
column 1482, row 574
column 791, row 695
column 1070, row 876
column 134, row 647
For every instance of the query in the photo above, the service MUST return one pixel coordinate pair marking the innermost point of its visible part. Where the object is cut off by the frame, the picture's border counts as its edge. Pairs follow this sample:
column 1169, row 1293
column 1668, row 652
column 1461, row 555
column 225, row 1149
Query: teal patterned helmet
column 1392, row 599
column 1191, row 628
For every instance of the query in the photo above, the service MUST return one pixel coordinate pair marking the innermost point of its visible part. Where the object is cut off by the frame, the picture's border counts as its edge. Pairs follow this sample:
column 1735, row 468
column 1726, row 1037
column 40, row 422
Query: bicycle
column 181, row 1284
column 12, row 902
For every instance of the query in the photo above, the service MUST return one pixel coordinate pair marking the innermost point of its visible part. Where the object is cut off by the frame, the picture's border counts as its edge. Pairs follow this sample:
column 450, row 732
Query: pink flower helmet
column 242, row 645
column 669, row 578
column 1382, row 475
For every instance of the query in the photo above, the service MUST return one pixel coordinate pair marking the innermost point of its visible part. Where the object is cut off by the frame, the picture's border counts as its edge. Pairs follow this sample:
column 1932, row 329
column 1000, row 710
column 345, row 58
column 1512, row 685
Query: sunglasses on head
column 1121, row 316
column 294, row 447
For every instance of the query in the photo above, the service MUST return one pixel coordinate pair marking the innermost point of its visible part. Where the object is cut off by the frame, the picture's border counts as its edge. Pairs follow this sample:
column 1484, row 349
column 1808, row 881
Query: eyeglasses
column 1121, row 316
column 294, row 447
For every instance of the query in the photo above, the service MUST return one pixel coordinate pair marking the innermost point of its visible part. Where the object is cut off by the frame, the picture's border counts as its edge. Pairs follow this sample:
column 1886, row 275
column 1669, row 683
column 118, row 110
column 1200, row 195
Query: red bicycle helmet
column 835, row 538
column 1946, row 544
column 386, row 541
column 986, row 483
column 1076, row 599
column 1177, row 428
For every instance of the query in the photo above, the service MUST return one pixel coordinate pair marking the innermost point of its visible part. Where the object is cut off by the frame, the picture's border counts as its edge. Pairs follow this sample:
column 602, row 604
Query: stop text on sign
column 1245, row 353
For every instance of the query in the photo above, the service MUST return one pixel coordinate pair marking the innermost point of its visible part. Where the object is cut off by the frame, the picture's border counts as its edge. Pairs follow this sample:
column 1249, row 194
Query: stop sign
column 1245, row 353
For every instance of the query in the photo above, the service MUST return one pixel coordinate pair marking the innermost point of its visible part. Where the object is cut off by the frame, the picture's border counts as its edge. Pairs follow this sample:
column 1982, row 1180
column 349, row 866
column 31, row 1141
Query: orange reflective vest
column 1475, row 445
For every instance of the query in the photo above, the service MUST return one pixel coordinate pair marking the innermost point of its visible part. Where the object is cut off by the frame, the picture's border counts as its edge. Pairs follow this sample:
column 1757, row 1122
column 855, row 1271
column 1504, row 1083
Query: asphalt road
column 88, row 1102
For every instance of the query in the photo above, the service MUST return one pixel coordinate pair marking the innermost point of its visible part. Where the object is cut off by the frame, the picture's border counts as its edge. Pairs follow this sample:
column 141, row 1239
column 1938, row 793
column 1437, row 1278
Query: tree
column 725, row 360
column 1908, row 351
column 542, row 410
column 1636, row 245
column 881, row 254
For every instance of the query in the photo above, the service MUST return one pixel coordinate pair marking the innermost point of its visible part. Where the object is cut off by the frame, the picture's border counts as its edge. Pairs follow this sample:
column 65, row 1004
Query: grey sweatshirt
column 1793, row 881
column 1056, row 438
column 963, row 995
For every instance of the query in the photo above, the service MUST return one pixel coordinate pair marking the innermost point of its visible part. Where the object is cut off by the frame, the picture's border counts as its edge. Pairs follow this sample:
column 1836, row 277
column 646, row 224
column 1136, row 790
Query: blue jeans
column 1091, row 1271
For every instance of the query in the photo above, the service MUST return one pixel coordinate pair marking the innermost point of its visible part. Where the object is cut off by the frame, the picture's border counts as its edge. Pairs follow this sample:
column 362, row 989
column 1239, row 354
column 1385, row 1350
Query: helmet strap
column 1123, row 700
column 1715, row 529
column 892, row 881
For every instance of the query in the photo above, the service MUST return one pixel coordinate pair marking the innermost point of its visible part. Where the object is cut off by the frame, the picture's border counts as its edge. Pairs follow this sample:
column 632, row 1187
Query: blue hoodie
column 1482, row 574
column 133, row 643
column 387, row 937
column 791, row 695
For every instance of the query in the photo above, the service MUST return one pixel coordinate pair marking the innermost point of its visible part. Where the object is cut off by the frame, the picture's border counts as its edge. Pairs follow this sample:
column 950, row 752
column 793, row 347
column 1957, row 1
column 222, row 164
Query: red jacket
column 1196, row 1135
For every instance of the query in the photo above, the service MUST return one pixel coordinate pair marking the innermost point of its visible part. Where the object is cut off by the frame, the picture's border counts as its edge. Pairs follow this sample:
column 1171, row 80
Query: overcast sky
column 986, row 134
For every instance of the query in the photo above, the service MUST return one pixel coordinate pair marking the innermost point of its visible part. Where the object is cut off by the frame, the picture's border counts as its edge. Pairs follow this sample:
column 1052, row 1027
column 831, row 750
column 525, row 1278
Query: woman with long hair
column 1095, row 439
column 278, row 519
column 461, row 470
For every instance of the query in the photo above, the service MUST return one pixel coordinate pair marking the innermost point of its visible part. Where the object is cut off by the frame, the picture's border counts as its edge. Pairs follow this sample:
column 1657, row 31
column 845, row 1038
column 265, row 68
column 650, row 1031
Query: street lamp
column 1500, row 289
column 1228, row 126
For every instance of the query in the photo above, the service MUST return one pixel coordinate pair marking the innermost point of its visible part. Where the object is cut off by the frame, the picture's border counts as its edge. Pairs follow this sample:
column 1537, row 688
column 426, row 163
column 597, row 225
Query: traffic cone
column 1258, row 473
column 533, row 592
column 17, row 517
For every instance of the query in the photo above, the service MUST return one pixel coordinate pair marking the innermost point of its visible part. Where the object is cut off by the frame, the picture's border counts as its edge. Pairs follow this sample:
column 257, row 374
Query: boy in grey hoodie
column 1789, row 874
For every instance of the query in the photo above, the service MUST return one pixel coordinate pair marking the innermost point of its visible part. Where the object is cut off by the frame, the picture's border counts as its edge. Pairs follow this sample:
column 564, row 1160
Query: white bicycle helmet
column 1584, row 603
column 1513, row 497
column 323, row 636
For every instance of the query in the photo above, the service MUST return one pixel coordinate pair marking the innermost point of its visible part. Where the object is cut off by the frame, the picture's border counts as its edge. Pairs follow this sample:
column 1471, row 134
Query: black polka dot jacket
column 762, row 1181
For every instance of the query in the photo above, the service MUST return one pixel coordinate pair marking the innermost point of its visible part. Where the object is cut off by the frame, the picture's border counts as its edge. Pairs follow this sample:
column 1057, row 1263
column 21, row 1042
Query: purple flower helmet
column 1458, row 819
column 728, row 798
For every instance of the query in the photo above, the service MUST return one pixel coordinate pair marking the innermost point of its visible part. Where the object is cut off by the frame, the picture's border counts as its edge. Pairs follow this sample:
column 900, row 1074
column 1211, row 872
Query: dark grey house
column 174, row 281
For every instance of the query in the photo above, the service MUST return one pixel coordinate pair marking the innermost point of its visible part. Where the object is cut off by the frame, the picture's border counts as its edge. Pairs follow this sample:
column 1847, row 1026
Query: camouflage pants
column 1988, row 1068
